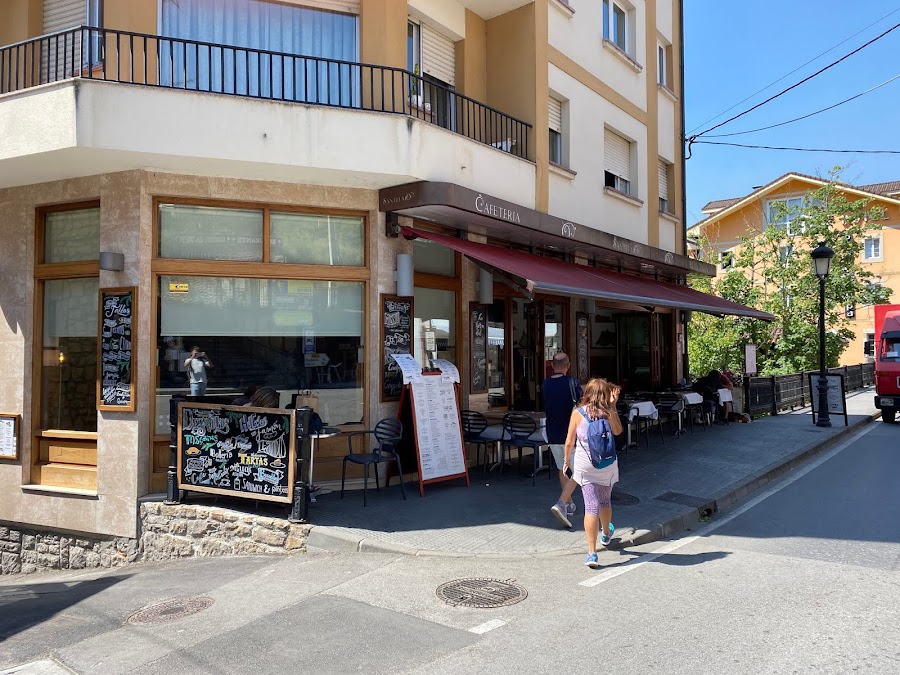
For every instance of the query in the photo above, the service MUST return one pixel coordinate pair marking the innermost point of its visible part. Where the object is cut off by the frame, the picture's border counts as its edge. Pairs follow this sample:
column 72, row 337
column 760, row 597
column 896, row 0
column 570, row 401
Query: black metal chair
column 387, row 433
column 519, row 431
column 670, row 407
column 473, row 425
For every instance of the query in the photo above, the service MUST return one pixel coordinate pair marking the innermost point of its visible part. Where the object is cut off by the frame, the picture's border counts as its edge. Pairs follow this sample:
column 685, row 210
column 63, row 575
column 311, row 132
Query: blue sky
column 733, row 49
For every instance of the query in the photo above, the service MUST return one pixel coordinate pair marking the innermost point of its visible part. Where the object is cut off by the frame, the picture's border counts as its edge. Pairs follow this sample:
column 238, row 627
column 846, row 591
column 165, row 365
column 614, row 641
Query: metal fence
column 175, row 63
column 770, row 395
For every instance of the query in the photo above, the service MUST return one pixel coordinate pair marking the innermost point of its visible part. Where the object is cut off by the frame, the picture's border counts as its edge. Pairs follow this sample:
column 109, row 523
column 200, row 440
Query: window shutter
column 617, row 154
column 555, row 111
column 58, row 56
column 438, row 56
column 663, row 180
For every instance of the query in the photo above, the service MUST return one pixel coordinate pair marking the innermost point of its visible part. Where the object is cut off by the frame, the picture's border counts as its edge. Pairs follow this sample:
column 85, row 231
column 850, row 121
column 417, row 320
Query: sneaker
column 571, row 509
column 559, row 510
column 606, row 538
column 591, row 561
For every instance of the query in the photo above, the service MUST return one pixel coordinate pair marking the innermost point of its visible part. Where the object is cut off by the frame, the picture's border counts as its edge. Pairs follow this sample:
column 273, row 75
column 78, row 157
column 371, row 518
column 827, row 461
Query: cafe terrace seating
column 387, row 433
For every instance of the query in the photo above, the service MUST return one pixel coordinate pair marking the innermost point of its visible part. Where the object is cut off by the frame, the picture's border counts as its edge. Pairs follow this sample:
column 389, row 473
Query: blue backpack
column 601, row 444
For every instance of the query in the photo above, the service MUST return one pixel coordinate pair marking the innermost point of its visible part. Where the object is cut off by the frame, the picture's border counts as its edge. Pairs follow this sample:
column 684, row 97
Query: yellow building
column 728, row 220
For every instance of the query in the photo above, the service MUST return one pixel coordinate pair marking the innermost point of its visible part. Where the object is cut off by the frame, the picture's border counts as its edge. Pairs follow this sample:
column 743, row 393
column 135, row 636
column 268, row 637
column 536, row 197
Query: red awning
column 535, row 273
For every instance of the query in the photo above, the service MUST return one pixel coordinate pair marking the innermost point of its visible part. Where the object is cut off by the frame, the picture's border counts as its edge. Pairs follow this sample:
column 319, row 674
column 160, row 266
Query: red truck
column 887, row 360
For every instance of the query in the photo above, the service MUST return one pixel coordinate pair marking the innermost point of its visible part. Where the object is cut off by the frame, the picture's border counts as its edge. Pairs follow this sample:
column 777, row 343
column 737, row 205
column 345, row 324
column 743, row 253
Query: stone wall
column 25, row 551
column 167, row 532
column 185, row 530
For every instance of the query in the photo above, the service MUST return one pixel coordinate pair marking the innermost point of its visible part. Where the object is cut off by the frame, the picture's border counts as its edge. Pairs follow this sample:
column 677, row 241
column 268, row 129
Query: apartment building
column 258, row 175
column 728, row 220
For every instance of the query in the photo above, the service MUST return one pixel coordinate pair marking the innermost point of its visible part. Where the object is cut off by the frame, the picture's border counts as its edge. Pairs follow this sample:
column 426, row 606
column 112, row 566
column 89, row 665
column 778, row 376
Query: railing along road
column 773, row 394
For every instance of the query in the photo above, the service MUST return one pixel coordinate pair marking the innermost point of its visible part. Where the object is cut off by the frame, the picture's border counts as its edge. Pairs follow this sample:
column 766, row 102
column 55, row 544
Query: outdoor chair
column 670, row 408
column 387, row 433
column 520, row 431
column 473, row 425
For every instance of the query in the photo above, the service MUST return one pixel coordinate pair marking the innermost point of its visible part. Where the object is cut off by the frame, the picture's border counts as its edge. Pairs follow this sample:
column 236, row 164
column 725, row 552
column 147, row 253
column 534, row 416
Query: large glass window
column 433, row 258
column 434, row 330
column 316, row 239
column 278, row 27
column 291, row 335
column 209, row 233
column 71, row 235
column 69, row 355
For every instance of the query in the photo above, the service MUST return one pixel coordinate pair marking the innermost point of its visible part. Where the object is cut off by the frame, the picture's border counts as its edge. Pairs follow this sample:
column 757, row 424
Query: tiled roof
column 889, row 188
column 719, row 204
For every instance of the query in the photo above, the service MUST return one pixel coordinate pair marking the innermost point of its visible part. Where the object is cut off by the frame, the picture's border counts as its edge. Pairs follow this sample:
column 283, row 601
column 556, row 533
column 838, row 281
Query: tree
column 773, row 271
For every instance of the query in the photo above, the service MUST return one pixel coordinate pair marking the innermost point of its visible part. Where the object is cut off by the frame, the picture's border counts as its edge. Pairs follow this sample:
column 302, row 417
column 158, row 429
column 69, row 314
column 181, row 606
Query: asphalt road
column 803, row 578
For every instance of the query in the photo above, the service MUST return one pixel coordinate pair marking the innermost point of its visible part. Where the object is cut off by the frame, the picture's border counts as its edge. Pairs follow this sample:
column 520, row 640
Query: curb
column 338, row 539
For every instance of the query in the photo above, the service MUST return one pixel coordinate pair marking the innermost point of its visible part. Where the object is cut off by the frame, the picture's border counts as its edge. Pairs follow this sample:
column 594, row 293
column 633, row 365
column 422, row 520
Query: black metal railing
column 192, row 65
column 770, row 395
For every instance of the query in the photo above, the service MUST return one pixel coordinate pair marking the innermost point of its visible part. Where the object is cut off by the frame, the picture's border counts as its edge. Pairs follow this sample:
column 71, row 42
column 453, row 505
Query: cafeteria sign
column 178, row 287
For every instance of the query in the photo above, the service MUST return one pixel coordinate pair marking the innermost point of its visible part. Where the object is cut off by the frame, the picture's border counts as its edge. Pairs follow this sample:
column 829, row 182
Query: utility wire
column 815, row 58
column 797, row 119
column 775, row 147
column 794, row 86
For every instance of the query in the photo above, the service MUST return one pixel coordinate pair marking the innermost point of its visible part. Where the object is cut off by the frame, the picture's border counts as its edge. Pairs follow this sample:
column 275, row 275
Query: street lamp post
column 821, row 257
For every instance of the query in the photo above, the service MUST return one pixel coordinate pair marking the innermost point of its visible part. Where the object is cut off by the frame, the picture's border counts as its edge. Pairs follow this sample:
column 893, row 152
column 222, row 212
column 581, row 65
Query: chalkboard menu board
column 236, row 451
column 396, row 338
column 115, row 383
column 582, row 346
column 478, row 330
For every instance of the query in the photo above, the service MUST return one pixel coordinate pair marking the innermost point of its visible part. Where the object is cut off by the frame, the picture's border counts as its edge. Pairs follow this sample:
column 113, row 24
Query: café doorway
column 538, row 330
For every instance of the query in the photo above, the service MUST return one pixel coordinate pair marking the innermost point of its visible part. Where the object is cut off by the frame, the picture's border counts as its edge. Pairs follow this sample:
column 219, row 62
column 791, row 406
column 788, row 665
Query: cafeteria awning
column 529, row 273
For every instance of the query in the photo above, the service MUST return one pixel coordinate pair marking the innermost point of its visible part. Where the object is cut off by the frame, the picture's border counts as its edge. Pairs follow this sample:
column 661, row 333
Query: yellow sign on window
column 178, row 288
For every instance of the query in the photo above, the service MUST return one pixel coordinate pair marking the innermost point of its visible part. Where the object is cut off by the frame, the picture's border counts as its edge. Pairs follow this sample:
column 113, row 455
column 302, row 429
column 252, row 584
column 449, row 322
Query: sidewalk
column 663, row 489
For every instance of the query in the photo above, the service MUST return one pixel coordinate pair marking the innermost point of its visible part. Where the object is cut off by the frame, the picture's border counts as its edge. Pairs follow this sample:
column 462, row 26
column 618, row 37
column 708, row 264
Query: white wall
column 666, row 128
column 582, row 199
column 446, row 15
column 664, row 13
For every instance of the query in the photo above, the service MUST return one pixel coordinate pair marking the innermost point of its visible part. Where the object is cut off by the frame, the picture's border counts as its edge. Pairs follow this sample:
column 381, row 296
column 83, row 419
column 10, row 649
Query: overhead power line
column 786, row 75
column 776, row 147
column 797, row 119
column 794, row 86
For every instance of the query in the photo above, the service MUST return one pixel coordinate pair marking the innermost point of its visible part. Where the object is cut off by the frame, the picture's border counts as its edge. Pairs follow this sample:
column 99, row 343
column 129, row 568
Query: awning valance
column 535, row 273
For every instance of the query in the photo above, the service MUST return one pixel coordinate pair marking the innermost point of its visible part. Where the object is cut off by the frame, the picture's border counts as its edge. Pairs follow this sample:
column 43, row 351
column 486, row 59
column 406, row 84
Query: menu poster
column 837, row 397
column 582, row 346
column 409, row 367
column 9, row 436
column 115, row 383
column 448, row 369
column 438, row 432
column 236, row 451
column 478, row 330
column 396, row 338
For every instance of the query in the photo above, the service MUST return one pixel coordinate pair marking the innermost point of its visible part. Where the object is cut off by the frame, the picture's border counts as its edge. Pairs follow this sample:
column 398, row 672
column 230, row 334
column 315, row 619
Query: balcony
column 190, row 101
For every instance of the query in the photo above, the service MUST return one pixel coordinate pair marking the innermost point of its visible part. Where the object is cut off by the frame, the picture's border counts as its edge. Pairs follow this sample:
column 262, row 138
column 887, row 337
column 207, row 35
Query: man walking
column 561, row 393
column 197, row 363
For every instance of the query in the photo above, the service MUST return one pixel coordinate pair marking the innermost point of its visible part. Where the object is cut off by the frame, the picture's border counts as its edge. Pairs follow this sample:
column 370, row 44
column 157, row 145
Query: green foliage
column 773, row 271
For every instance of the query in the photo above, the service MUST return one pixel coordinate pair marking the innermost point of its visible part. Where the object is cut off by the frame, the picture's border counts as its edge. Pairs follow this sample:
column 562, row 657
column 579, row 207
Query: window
column 432, row 258
column 431, row 57
column 783, row 212
column 266, row 29
column 615, row 24
column 555, row 117
column 785, row 253
column 617, row 160
column 434, row 329
column 662, row 67
column 872, row 250
column 413, row 48
column 664, row 170
column 726, row 260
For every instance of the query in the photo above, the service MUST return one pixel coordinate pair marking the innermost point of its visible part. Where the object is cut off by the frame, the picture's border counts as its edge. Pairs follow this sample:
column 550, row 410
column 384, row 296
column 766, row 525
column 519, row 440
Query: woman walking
column 597, row 402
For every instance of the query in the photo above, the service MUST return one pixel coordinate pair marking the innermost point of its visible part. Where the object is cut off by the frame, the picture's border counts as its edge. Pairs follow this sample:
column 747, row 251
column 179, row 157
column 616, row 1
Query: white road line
column 635, row 563
column 483, row 628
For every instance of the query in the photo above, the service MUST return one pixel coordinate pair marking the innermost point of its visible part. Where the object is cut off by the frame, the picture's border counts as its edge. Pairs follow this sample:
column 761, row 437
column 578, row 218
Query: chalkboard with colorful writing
column 396, row 338
column 115, row 379
column 478, row 339
column 236, row 451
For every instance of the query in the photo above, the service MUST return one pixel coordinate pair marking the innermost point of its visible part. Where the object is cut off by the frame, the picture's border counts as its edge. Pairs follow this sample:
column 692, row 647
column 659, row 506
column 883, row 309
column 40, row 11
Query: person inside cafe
column 197, row 363
column 247, row 396
column 560, row 393
column 265, row 397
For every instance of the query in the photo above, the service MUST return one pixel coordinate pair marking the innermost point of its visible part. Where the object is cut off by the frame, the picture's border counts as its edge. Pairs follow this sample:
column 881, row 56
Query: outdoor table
column 642, row 409
column 327, row 432
column 495, row 433
column 725, row 396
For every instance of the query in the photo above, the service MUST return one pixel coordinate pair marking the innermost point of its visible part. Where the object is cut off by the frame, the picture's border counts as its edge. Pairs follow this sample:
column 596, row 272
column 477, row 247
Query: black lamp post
column 821, row 257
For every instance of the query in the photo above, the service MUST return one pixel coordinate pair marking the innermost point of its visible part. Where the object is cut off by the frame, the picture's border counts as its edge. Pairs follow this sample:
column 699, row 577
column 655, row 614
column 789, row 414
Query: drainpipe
column 684, row 215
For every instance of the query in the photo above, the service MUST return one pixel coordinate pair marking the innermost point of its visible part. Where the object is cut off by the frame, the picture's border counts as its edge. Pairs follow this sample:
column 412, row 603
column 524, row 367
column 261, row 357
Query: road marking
column 665, row 549
column 483, row 628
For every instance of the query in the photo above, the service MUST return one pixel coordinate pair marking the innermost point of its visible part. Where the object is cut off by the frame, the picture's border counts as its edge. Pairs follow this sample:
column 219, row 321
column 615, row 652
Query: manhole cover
column 624, row 499
column 481, row 593
column 170, row 610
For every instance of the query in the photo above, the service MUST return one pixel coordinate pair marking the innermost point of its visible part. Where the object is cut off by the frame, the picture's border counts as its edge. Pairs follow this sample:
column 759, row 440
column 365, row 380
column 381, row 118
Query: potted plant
column 416, row 99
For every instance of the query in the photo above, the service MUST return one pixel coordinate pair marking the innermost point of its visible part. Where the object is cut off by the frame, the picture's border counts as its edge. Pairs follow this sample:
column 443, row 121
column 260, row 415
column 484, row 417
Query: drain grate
column 624, row 499
column 170, row 610
column 687, row 500
column 481, row 593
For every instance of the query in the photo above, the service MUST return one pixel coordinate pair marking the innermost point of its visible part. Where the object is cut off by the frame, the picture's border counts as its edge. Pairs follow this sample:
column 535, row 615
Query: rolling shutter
column 555, row 110
column 617, row 154
column 59, row 55
column 663, row 180
column 63, row 14
column 438, row 56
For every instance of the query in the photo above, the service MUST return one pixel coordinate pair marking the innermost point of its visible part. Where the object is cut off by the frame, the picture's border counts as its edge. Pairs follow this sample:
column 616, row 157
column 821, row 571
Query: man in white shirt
column 197, row 363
